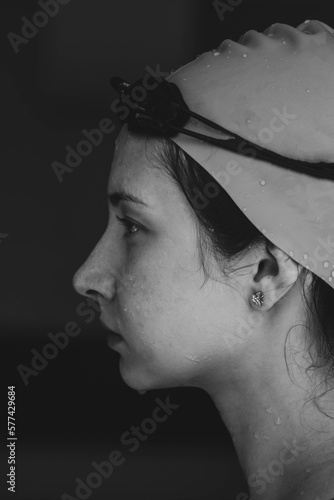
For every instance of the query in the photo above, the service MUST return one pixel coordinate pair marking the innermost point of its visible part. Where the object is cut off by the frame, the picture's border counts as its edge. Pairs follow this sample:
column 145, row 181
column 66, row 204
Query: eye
column 131, row 227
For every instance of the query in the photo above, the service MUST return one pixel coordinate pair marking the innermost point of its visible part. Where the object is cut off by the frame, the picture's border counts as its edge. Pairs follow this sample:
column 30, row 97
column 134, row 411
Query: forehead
column 135, row 171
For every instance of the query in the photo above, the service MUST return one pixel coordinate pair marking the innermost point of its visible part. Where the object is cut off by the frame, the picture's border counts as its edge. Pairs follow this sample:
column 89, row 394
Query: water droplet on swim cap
column 244, row 55
column 291, row 253
column 326, row 263
column 305, row 256
column 263, row 183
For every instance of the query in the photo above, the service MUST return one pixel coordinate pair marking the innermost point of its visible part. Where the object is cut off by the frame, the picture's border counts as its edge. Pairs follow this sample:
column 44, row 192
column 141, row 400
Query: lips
column 108, row 328
column 113, row 337
column 113, row 340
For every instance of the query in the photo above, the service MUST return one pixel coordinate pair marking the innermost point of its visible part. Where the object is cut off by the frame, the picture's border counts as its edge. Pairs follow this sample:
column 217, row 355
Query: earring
column 257, row 298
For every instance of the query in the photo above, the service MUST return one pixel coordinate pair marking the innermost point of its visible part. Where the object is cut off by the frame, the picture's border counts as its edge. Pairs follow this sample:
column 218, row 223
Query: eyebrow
column 117, row 196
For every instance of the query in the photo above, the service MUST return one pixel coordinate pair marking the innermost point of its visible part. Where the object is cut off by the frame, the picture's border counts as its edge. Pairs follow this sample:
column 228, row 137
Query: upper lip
column 107, row 327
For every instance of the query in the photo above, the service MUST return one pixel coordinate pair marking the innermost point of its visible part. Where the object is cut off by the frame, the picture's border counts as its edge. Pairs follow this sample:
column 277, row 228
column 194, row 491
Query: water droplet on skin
column 184, row 79
column 308, row 90
column 269, row 410
column 208, row 65
column 244, row 55
column 248, row 121
column 308, row 471
column 326, row 263
column 302, row 492
column 256, row 436
column 216, row 53
column 307, row 267
column 266, row 437
column 263, row 183
column 284, row 42
column 278, row 421
column 270, row 35
column 307, row 21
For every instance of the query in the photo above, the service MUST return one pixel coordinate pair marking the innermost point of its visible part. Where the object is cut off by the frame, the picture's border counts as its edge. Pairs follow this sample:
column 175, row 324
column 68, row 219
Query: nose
column 96, row 278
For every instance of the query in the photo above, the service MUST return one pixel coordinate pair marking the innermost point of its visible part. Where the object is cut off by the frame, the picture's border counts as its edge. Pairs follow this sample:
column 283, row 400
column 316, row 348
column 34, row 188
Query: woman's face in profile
column 148, row 280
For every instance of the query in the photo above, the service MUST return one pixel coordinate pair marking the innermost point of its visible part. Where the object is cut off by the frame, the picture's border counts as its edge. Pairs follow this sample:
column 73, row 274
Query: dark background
column 75, row 410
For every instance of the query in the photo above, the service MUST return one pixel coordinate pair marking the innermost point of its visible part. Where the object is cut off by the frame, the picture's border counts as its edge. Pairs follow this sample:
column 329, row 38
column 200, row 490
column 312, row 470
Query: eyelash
column 128, row 224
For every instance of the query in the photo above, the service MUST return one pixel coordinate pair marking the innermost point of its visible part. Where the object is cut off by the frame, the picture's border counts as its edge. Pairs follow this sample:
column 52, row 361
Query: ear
column 274, row 274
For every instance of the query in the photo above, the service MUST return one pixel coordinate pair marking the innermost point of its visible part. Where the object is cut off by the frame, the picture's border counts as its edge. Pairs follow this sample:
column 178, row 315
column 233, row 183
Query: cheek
column 144, row 294
column 151, row 303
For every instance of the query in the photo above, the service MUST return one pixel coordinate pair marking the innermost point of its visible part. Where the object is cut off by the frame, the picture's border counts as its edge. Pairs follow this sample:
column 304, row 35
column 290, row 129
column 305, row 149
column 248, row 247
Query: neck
column 283, row 442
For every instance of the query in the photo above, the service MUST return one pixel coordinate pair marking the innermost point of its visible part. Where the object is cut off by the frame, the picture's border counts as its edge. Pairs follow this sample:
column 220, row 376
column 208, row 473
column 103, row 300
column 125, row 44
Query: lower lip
column 114, row 339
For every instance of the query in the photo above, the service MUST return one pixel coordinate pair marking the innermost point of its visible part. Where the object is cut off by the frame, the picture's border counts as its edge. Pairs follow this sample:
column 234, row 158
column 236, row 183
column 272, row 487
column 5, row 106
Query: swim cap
column 274, row 89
